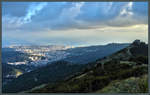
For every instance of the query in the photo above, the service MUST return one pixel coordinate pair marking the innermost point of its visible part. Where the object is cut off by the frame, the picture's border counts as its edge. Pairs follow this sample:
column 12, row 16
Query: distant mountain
column 125, row 66
column 10, row 55
column 85, row 55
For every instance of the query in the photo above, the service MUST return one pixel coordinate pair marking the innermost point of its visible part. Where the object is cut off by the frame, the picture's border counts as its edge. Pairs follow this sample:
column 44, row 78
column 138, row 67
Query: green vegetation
column 130, row 85
column 123, row 71
column 98, row 78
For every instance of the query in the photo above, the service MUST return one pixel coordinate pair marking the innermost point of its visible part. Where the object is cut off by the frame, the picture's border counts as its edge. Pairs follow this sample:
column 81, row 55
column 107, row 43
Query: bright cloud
column 33, row 10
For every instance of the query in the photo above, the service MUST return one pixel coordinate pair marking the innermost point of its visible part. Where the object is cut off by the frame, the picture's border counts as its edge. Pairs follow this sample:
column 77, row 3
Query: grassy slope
column 131, row 85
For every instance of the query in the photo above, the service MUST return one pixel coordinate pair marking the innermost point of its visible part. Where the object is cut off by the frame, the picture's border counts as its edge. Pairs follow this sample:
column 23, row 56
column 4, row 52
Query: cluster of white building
column 17, row 63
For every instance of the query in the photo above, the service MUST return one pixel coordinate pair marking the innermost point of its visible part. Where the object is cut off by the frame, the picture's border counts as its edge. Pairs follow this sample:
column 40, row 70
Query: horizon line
column 86, row 45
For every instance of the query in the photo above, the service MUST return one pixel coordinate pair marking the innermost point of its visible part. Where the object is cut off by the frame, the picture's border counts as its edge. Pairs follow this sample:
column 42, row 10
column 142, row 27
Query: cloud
column 127, row 17
column 80, row 15
column 12, row 22
column 127, row 10
column 72, row 22
column 82, row 37
column 67, row 17
column 71, row 13
column 33, row 10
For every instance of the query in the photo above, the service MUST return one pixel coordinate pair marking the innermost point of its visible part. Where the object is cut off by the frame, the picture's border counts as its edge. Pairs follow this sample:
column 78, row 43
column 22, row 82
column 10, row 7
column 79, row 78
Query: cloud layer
column 73, row 23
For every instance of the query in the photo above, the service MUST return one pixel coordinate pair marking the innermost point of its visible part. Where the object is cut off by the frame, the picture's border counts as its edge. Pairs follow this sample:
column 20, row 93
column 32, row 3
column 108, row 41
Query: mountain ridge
column 101, row 74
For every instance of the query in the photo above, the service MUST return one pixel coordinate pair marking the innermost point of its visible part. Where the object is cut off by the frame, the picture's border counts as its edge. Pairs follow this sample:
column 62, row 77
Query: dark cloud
column 69, row 15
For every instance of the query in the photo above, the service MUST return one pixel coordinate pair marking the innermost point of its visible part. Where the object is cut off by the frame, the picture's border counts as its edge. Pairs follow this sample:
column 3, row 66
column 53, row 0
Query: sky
column 73, row 23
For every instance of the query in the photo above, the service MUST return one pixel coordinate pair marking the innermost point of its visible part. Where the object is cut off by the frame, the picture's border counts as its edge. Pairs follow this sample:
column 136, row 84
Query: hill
column 52, row 73
column 20, row 60
column 84, row 55
column 128, row 63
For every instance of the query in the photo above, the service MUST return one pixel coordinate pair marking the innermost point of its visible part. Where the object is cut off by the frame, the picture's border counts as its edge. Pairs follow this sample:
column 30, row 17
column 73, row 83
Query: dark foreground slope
column 51, row 73
column 123, row 71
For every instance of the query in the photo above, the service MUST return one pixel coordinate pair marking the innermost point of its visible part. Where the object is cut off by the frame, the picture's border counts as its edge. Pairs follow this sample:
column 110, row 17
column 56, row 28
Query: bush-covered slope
column 129, row 85
column 128, row 62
